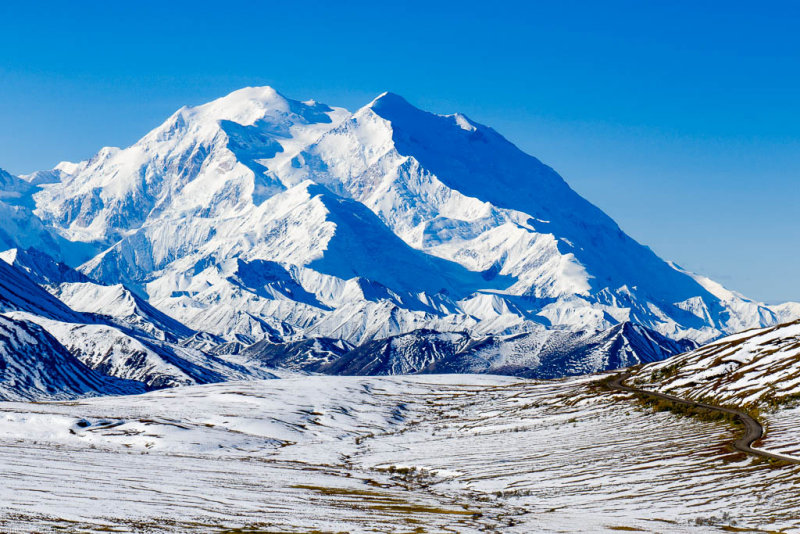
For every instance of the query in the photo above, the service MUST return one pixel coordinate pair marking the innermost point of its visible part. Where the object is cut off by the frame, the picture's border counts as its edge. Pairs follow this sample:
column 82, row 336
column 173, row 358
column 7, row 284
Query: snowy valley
column 435, row 453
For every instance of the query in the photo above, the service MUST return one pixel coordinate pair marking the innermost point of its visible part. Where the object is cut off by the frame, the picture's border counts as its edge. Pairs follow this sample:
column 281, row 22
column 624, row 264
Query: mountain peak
column 388, row 98
column 391, row 106
column 401, row 113
column 244, row 106
column 264, row 93
column 251, row 105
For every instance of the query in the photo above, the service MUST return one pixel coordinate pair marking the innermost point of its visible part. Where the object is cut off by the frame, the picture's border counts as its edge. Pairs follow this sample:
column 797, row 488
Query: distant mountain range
column 258, row 232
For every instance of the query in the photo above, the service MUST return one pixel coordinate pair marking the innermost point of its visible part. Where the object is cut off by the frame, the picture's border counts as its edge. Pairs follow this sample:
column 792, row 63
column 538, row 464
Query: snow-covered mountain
column 260, row 219
column 21, row 228
column 35, row 365
column 41, row 268
column 111, row 338
column 547, row 353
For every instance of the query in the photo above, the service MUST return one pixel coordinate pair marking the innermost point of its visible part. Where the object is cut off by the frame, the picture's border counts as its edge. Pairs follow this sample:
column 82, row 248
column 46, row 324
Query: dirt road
column 753, row 431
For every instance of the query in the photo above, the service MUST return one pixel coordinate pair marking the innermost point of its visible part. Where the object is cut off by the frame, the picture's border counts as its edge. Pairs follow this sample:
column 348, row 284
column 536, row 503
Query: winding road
column 753, row 431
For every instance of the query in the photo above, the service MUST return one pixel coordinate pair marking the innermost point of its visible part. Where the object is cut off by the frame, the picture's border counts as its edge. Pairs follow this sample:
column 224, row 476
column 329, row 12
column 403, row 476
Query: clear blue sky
column 680, row 119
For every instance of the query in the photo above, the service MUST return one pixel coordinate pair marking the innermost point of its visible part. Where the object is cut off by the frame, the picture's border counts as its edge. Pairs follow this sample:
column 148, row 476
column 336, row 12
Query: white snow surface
column 332, row 454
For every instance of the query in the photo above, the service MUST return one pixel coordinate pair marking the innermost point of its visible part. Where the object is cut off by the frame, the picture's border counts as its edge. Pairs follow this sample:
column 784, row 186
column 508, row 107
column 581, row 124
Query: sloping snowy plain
column 438, row 453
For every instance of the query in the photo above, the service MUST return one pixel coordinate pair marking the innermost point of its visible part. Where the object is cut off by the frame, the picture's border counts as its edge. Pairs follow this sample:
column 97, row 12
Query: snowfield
column 438, row 453
column 783, row 436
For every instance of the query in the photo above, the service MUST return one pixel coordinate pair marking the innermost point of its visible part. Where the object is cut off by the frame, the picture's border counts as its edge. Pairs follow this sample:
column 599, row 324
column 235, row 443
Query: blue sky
column 680, row 119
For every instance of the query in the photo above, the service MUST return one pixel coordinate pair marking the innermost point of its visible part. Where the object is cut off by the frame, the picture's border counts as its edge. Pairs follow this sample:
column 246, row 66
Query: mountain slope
column 116, row 303
column 124, row 307
column 755, row 366
column 21, row 228
column 117, row 346
column 34, row 366
column 19, row 293
column 176, row 166
column 41, row 268
column 425, row 176
column 15, row 191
